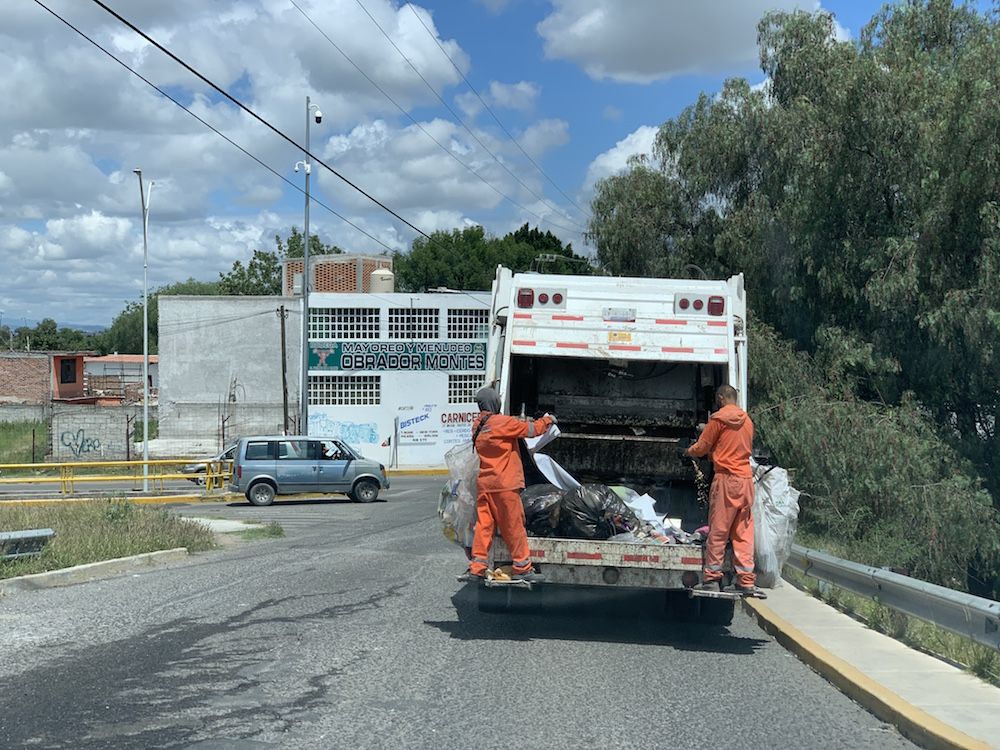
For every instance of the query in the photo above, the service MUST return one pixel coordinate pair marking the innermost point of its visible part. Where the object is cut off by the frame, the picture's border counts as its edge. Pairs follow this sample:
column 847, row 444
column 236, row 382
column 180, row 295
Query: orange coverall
column 729, row 438
column 501, row 478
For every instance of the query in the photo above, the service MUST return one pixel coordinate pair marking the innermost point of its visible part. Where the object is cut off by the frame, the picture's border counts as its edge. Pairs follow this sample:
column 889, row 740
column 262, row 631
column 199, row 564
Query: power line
column 210, row 126
column 253, row 114
column 419, row 125
column 490, row 110
column 460, row 120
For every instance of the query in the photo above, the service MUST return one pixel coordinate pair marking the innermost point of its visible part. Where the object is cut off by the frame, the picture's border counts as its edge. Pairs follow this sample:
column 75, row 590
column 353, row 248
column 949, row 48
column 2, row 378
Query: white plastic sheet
column 775, row 517
column 459, row 514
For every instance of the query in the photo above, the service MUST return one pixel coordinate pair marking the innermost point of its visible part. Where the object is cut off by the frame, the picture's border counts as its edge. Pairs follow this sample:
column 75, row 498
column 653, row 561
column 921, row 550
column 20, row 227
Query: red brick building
column 37, row 378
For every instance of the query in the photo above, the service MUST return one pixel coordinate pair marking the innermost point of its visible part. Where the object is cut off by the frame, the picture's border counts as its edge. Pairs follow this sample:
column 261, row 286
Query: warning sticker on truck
column 619, row 337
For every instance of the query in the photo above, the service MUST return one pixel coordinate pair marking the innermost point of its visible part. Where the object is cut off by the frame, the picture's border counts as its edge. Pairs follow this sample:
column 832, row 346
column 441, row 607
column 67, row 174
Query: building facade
column 395, row 375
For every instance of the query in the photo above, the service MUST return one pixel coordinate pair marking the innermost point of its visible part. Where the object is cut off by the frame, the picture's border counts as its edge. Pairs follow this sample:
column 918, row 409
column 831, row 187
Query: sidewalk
column 932, row 703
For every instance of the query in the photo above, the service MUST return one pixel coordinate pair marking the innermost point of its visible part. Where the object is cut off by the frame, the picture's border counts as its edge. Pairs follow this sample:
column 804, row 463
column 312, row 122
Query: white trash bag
column 775, row 517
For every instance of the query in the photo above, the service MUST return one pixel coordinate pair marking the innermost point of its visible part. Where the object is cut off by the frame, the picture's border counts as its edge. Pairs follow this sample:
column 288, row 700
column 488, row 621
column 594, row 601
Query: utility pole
column 145, row 198
column 312, row 110
column 282, row 314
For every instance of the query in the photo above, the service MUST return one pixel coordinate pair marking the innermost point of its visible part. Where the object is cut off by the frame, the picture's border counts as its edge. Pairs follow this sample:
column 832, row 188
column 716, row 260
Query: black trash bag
column 593, row 511
column 541, row 509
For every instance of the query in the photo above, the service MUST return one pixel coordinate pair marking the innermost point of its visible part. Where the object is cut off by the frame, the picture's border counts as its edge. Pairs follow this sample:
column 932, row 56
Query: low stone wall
column 23, row 413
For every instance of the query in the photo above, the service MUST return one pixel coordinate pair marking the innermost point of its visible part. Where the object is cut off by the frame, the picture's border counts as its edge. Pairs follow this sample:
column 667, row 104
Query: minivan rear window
column 258, row 450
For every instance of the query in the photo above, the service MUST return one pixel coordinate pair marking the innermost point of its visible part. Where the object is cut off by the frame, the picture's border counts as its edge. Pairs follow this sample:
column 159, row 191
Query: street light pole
column 312, row 110
column 145, row 198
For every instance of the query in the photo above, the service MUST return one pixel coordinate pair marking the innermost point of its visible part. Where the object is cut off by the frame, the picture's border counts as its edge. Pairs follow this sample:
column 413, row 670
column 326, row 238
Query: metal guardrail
column 18, row 544
column 66, row 474
column 971, row 616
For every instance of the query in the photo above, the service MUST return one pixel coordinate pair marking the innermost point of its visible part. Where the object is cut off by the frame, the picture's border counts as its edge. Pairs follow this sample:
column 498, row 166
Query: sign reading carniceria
column 401, row 355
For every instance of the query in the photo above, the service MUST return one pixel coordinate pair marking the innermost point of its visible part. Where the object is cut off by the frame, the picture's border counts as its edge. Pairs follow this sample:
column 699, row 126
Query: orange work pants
column 730, row 516
column 503, row 511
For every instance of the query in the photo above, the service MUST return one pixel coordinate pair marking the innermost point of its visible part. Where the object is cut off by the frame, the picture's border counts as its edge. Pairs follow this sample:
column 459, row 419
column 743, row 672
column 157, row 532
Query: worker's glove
column 682, row 450
column 552, row 418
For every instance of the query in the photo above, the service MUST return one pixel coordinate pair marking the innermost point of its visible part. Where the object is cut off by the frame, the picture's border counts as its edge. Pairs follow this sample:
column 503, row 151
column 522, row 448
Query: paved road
column 351, row 632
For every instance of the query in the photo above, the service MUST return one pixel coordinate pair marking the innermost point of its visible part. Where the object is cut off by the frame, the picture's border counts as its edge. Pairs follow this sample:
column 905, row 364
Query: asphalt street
column 351, row 632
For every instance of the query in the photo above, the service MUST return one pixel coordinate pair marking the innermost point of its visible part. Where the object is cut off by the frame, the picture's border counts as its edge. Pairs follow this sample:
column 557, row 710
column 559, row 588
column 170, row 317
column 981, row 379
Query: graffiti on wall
column 353, row 433
column 78, row 442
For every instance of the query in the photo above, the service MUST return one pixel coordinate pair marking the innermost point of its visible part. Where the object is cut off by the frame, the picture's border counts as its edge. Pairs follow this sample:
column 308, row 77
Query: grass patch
column 271, row 530
column 15, row 442
column 982, row 661
column 97, row 530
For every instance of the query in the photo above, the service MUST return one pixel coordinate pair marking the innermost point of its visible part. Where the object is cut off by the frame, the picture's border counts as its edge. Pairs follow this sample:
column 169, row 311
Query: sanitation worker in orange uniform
column 729, row 439
column 501, row 479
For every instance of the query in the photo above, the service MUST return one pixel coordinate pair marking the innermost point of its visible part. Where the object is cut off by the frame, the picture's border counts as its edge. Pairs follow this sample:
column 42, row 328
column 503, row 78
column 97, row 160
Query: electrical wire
column 419, row 125
column 578, row 230
column 490, row 110
column 208, row 125
column 204, row 79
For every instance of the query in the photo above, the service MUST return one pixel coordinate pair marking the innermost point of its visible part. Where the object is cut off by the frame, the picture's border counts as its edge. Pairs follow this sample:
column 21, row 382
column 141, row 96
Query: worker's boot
column 528, row 577
column 714, row 586
column 751, row 591
column 468, row 577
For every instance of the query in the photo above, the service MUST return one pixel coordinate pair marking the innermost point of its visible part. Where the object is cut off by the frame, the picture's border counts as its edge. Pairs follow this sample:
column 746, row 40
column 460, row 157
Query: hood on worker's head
column 488, row 400
column 731, row 416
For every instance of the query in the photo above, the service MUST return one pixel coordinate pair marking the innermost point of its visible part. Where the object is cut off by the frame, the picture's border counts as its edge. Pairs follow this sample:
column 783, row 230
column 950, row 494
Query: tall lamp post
column 145, row 198
column 312, row 110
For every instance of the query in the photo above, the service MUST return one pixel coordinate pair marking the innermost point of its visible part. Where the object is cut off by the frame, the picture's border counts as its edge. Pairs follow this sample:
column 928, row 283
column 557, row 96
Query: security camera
column 319, row 116
column 296, row 167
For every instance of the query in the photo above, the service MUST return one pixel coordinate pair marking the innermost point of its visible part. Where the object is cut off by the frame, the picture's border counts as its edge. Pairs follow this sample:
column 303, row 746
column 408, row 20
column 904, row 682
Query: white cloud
column 520, row 95
column 543, row 136
column 640, row 41
column 612, row 113
column 615, row 160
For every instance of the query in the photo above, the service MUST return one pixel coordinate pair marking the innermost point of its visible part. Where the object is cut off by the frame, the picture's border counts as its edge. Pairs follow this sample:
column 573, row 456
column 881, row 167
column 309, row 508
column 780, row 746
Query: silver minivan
column 269, row 465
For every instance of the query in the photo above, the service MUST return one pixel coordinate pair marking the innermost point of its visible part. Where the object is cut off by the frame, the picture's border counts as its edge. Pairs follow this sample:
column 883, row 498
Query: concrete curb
column 913, row 723
column 417, row 472
column 90, row 571
column 153, row 500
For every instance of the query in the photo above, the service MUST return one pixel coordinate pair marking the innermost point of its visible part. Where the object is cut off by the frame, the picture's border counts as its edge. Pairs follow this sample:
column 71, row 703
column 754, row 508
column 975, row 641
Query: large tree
column 262, row 273
column 858, row 191
column 125, row 334
column 468, row 258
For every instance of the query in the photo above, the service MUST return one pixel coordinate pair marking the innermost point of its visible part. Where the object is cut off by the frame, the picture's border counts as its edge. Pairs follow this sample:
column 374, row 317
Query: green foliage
column 879, row 479
column 15, row 442
column 95, row 530
column 47, row 336
column 858, row 193
column 467, row 258
column 262, row 273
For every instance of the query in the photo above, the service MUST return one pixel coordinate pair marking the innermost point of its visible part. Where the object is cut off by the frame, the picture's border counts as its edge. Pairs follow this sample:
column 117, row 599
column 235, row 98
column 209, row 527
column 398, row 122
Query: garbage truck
column 630, row 367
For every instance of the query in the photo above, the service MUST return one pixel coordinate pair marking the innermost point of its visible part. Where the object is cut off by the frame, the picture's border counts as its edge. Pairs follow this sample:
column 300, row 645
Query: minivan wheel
column 261, row 493
column 365, row 491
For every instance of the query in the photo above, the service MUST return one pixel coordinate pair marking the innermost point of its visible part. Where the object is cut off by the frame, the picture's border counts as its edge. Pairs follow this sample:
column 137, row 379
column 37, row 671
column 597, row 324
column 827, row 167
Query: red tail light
column 716, row 305
column 525, row 297
column 697, row 304
column 683, row 304
column 543, row 298
column 557, row 298
column 239, row 472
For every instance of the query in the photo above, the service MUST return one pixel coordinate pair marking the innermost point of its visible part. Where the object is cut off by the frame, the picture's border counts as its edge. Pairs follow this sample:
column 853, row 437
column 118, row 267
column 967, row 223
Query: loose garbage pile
column 565, row 509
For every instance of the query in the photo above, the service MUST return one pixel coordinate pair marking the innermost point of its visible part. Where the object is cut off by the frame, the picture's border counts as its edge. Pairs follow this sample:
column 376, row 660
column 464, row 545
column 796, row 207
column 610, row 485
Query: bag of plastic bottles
column 458, row 516
column 775, row 517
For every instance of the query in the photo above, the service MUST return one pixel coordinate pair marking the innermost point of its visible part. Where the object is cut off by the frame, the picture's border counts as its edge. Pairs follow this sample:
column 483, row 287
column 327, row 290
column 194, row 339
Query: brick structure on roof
column 334, row 273
column 25, row 378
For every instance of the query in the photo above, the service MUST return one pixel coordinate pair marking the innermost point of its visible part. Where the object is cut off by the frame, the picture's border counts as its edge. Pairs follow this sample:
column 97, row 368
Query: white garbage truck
column 629, row 366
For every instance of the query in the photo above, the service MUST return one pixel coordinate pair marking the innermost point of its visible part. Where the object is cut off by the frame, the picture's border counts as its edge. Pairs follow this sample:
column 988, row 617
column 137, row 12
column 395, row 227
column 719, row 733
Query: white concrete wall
column 24, row 413
column 221, row 355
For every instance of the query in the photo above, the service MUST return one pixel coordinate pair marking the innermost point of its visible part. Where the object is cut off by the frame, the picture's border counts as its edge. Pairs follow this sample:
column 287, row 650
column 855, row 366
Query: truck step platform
column 697, row 593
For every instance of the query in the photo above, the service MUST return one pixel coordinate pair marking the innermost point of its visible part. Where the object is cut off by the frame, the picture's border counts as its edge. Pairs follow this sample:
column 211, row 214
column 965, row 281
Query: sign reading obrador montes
column 398, row 355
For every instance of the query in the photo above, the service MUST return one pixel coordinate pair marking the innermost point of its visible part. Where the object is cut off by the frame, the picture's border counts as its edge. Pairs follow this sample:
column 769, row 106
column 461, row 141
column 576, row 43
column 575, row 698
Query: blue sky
column 581, row 84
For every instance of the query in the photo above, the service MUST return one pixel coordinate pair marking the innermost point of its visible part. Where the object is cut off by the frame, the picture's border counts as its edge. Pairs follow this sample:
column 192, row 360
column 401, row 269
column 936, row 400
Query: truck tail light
column 543, row 298
column 557, row 299
column 239, row 472
column 716, row 305
column 525, row 297
column 697, row 304
column 683, row 304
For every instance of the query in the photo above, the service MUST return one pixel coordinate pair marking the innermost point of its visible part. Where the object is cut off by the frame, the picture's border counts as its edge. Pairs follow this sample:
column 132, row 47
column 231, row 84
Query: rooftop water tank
column 382, row 280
